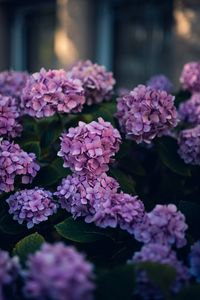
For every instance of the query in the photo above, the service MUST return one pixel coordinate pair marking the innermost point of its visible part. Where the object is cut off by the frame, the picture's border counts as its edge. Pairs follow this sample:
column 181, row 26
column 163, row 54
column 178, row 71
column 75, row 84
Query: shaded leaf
column 192, row 212
column 32, row 147
column 28, row 245
column 8, row 225
column 126, row 183
column 47, row 176
column 79, row 231
column 189, row 293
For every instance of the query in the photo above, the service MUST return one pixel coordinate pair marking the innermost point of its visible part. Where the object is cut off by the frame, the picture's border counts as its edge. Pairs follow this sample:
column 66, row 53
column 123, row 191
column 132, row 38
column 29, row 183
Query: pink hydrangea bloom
column 146, row 113
column 189, row 111
column 164, row 225
column 190, row 77
column 189, row 145
column 48, row 92
column 9, row 117
column 31, row 206
column 14, row 161
column 161, row 254
column 97, row 82
column 160, row 82
column 58, row 272
column 89, row 148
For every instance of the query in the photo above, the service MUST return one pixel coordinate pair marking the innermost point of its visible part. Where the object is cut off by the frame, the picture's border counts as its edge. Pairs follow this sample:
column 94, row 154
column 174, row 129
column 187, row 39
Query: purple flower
column 160, row 82
column 97, row 82
column 189, row 111
column 190, row 77
column 31, row 206
column 48, row 92
column 58, row 272
column 96, row 199
column 14, row 161
column 9, row 117
column 164, row 225
column 12, row 83
column 88, row 148
column 163, row 255
column 189, row 145
column 121, row 92
column 195, row 260
column 9, row 268
column 146, row 113
column 78, row 193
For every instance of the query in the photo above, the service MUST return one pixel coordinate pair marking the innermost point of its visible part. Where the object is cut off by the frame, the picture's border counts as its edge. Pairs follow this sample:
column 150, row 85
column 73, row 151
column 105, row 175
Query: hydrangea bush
column 99, row 187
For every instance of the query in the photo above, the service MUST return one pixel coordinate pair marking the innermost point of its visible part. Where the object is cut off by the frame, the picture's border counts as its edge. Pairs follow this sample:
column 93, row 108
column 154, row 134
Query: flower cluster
column 190, row 77
column 9, row 117
column 89, row 148
column 14, row 161
column 160, row 82
column 146, row 113
column 189, row 111
column 96, row 199
column 195, row 261
column 48, row 92
column 31, row 206
column 165, row 256
column 12, row 83
column 58, row 272
column 164, row 225
column 97, row 82
column 189, row 145
column 9, row 267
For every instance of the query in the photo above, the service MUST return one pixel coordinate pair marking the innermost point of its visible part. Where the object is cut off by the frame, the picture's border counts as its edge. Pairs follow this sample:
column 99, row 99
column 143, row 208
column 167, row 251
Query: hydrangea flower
column 195, row 260
column 146, row 113
column 88, row 148
column 12, row 83
column 31, row 206
column 48, row 92
column 164, row 225
column 163, row 255
column 14, row 161
column 96, row 199
column 189, row 111
column 160, row 82
column 190, row 77
column 58, row 272
column 189, row 145
column 97, row 82
column 9, row 117
column 9, row 268
column 122, row 92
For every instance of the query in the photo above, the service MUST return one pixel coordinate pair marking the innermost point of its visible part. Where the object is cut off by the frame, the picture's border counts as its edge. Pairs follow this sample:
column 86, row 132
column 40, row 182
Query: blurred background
column 133, row 38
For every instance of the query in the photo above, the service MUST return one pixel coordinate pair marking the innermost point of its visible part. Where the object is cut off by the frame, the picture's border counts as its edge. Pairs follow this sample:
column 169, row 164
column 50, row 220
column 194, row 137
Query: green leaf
column 58, row 165
column 47, row 176
column 8, row 225
column 28, row 245
column 167, row 150
column 79, row 231
column 33, row 146
column 192, row 212
column 51, row 134
column 117, row 284
column 126, row 183
column 190, row 292
column 162, row 276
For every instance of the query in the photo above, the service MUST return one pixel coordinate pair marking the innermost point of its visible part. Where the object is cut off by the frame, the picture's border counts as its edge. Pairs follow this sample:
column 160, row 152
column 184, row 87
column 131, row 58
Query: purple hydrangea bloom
column 146, row 113
column 58, row 272
column 163, row 255
column 195, row 260
column 189, row 111
column 96, row 199
column 189, row 145
column 9, row 268
column 31, row 206
column 190, row 77
column 164, row 225
column 160, row 82
column 97, row 82
column 14, row 161
column 89, row 148
column 48, row 92
column 12, row 83
column 121, row 92
column 9, row 117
